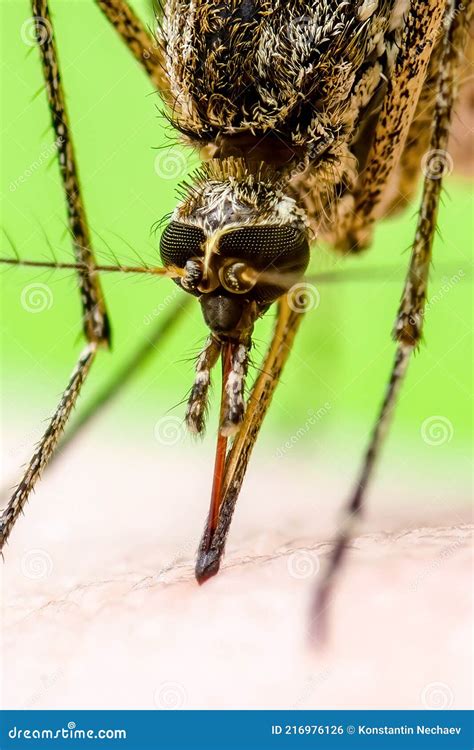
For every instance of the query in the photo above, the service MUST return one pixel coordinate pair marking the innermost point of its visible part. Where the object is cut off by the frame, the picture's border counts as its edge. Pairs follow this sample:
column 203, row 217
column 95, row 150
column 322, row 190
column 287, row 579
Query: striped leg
column 146, row 50
column 47, row 444
column 409, row 322
column 95, row 321
column 422, row 29
column 163, row 328
column 384, row 159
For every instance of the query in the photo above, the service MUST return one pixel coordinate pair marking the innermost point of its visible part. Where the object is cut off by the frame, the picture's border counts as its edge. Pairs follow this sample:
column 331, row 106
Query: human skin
column 101, row 609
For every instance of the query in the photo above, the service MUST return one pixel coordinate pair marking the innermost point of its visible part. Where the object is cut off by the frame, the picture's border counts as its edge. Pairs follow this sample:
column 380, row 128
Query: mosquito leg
column 369, row 187
column 422, row 28
column 402, row 188
column 127, row 370
column 146, row 50
column 47, row 443
column 355, row 506
column 409, row 322
column 233, row 395
column 95, row 322
column 197, row 403
column 213, row 541
column 121, row 378
column 96, row 326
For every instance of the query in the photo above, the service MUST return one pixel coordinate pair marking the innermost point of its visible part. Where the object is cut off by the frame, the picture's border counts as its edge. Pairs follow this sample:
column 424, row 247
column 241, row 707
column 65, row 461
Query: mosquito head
column 238, row 245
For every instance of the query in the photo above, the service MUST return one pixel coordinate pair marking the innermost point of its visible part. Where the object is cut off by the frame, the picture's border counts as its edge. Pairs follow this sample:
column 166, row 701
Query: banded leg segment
column 422, row 28
column 409, row 322
column 132, row 365
column 95, row 320
column 48, row 443
column 146, row 50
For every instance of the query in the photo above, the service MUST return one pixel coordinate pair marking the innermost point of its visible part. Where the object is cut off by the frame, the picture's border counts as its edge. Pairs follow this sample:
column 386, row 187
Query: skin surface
column 101, row 609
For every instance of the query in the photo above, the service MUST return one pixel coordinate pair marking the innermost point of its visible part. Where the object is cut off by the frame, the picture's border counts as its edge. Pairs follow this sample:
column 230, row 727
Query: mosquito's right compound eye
column 179, row 243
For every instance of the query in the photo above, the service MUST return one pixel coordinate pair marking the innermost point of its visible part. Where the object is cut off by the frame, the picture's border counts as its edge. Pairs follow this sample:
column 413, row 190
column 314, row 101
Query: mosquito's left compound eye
column 283, row 248
column 179, row 243
column 255, row 250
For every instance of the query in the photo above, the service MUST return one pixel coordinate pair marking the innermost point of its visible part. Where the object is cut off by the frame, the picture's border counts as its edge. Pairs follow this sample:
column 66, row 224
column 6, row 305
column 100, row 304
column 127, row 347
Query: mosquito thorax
column 237, row 245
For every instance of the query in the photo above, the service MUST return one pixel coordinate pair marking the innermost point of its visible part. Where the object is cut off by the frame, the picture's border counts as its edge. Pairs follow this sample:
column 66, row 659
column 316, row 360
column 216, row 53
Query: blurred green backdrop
column 344, row 350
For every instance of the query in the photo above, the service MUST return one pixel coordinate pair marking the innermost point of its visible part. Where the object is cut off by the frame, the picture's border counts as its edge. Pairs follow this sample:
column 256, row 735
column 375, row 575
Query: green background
column 344, row 350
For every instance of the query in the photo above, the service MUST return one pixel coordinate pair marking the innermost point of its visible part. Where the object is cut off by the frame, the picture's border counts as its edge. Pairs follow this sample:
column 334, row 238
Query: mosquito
column 312, row 119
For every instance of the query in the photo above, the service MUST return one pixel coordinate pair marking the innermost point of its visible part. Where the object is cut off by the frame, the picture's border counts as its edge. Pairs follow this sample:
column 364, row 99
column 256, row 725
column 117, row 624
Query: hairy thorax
column 295, row 86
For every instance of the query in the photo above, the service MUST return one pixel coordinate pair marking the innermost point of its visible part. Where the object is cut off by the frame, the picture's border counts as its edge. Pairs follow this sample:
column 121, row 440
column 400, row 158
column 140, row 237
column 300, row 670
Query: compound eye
column 267, row 246
column 179, row 243
column 237, row 277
